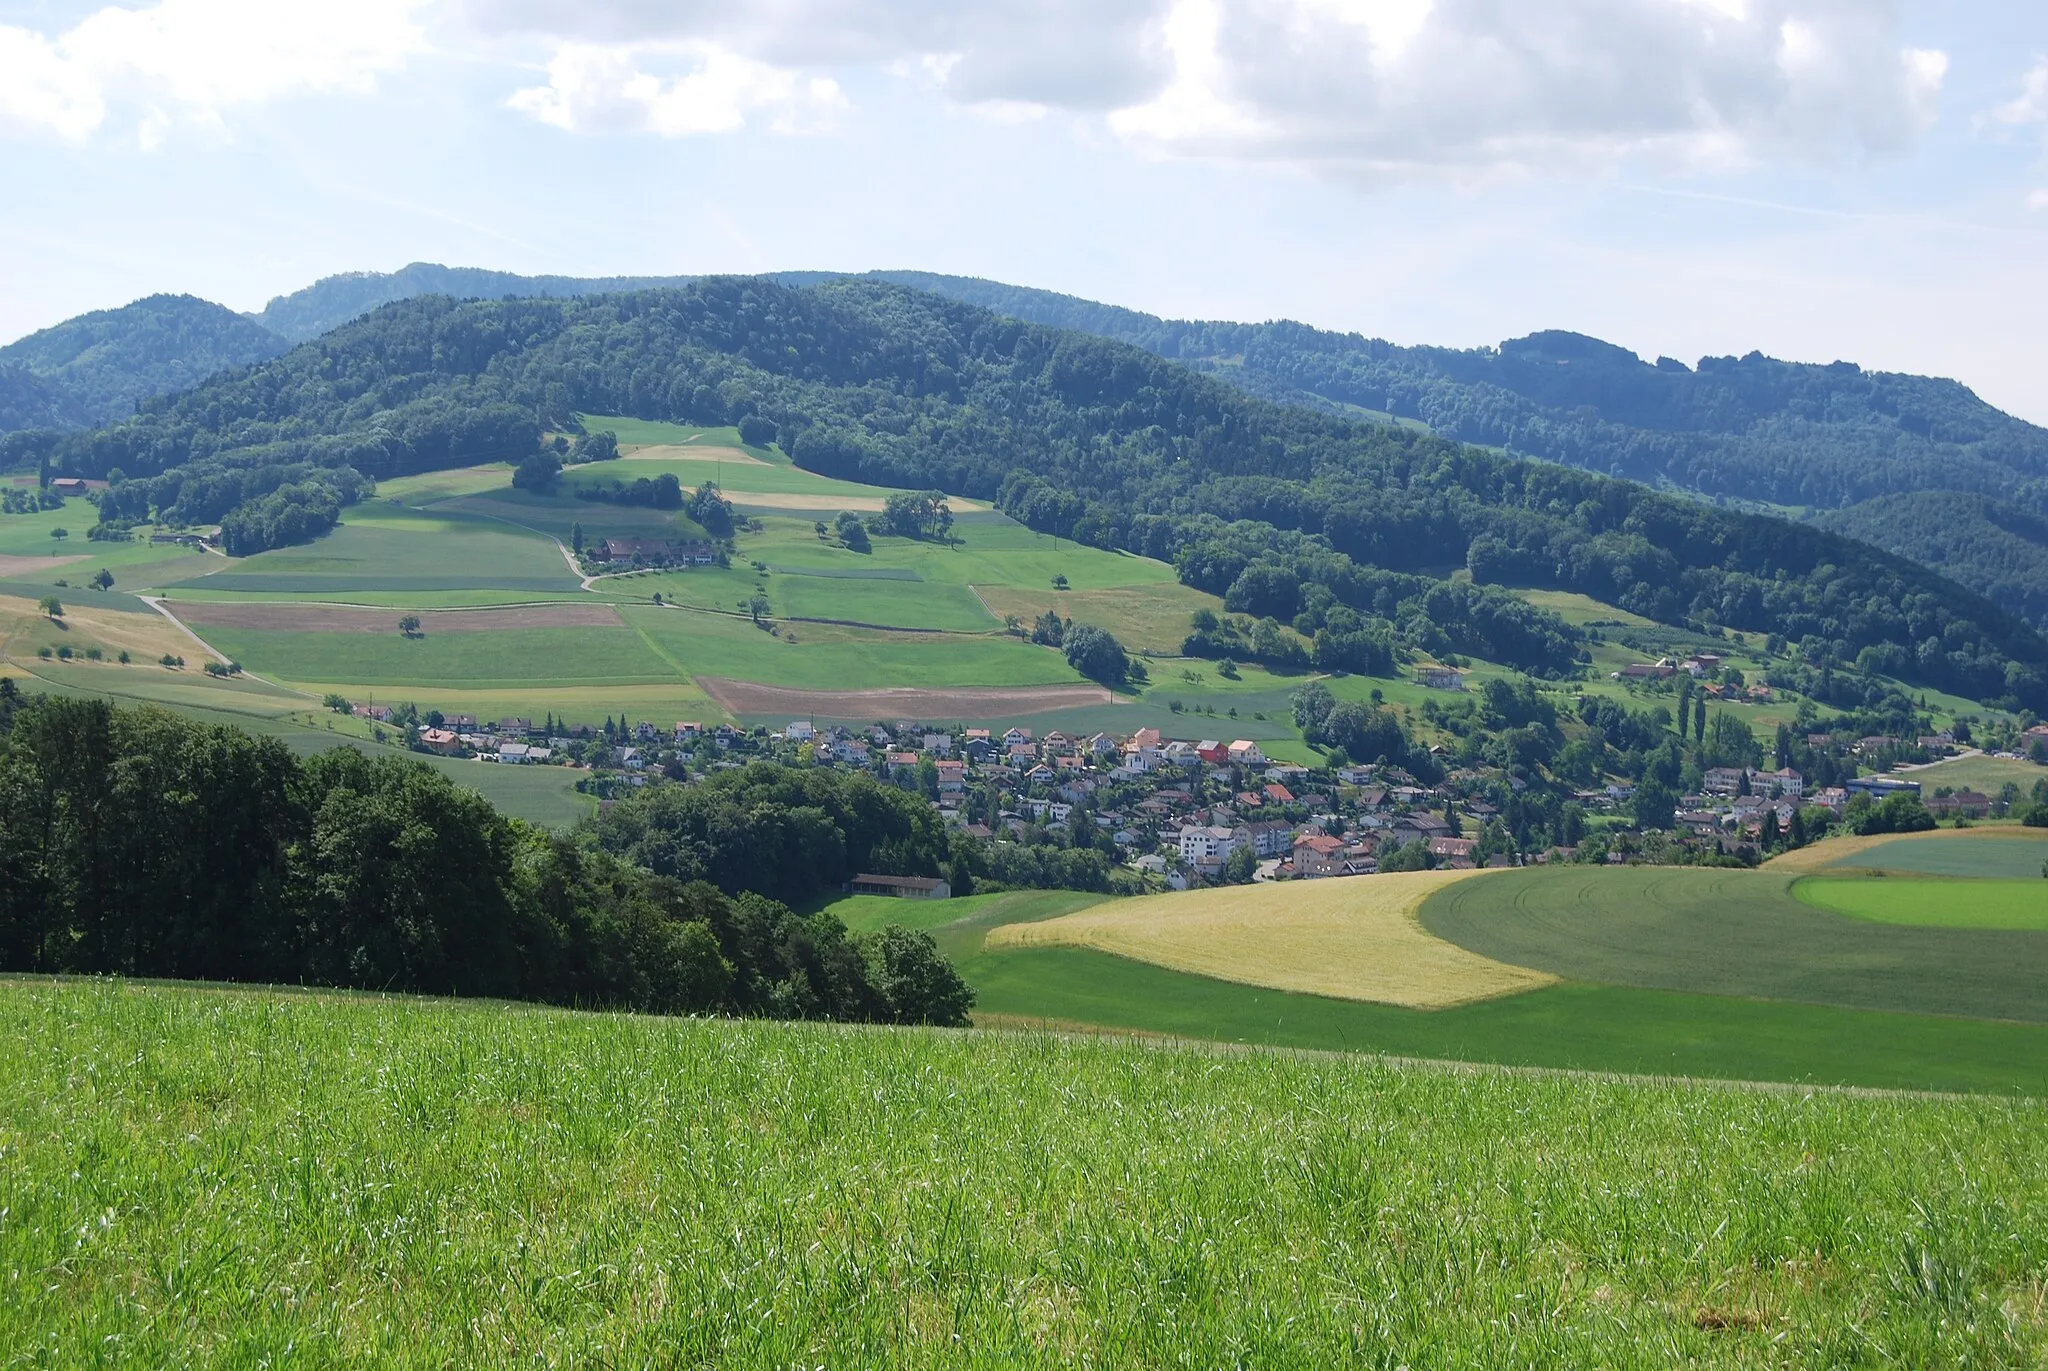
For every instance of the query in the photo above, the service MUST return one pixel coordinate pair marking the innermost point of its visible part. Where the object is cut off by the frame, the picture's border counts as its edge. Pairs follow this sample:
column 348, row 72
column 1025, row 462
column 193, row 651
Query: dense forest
column 1099, row 441
column 139, row 843
column 95, row 368
column 1749, row 429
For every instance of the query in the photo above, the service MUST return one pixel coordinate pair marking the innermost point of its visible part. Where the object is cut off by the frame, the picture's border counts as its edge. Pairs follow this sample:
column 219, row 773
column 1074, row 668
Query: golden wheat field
column 1354, row 938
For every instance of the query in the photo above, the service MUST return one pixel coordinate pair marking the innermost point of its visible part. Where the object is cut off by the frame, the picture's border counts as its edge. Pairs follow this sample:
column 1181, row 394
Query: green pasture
column 560, row 516
column 395, row 599
column 1932, row 903
column 431, row 486
column 1580, row 610
column 389, row 547
column 253, row 1177
column 826, row 657
column 633, row 433
column 2013, row 853
column 497, row 659
column 1738, row 933
column 736, row 479
column 1573, row 1026
column 1983, row 774
column 866, row 913
column 136, row 562
column 541, row 795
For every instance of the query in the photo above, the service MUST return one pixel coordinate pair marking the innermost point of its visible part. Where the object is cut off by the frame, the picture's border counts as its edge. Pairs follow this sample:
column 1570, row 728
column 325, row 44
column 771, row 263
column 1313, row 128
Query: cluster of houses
column 1699, row 666
column 651, row 552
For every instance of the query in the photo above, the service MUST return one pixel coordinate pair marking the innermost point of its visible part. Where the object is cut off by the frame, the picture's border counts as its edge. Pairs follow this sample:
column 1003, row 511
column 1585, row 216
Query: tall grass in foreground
column 244, row 1178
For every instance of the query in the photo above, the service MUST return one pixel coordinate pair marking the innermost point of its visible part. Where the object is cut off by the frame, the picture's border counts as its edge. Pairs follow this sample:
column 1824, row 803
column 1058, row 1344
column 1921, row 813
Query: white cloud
column 602, row 88
column 2030, row 106
column 2029, row 110
column 1487, row 86
column 191, row 61
column 1355, row 87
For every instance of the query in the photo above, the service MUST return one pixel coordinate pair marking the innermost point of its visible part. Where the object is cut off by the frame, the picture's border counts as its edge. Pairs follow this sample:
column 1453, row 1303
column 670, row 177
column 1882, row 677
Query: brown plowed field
column 286, row 618
column 28, row 566
column 906, row 702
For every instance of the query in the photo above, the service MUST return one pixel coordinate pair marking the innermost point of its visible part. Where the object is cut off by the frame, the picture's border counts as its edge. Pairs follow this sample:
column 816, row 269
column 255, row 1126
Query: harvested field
column 1354, row 938
column 24, row 628
column 28, row 566
column 691, row 452
column 968, row 703
column 318, row 618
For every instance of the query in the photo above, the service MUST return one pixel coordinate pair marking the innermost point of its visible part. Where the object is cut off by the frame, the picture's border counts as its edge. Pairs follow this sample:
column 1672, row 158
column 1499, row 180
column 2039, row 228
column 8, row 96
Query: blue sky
column 1818, row 179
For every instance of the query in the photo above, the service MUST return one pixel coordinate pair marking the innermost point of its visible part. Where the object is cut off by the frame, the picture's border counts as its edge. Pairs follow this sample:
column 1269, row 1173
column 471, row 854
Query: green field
column 1738, row 933
column 222, row 1177
column 822, row 657
column 1990, row 854
column 1932, row 903
column 1608, row 1028
column 385, row 546
column 1985, row 775
column 500, row 659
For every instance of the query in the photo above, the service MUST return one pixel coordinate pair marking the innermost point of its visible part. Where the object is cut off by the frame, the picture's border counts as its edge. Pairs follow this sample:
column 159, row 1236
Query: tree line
column 136, row 842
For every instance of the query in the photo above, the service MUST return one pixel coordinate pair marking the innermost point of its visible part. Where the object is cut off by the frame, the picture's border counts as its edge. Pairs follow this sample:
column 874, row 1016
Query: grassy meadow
column 241, row 1177
column 1740, row 933
column 1932, row 903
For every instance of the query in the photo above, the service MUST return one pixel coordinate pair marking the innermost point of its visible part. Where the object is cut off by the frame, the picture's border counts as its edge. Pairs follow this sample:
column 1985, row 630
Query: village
column 1177, row 813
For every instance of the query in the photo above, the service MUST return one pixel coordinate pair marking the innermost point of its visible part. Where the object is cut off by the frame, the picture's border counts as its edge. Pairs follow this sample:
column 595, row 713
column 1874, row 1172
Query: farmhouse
column 901, row 887
column 67, row 485
column 1442, row 678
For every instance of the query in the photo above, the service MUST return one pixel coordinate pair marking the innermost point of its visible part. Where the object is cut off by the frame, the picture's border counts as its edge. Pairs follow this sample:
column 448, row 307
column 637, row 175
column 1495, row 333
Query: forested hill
column 1285, row 510
column 1751, row 430
column 335, row 300
column 95, row 368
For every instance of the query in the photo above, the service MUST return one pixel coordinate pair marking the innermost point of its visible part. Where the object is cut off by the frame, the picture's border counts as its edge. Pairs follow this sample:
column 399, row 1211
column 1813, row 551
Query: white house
column 800, row 731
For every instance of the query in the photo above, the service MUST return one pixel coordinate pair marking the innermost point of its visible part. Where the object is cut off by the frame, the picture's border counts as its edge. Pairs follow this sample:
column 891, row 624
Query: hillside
column 211, row 1176
column 1750, row 430
column 96, row 368
column 1284, row 511
column 335, row 300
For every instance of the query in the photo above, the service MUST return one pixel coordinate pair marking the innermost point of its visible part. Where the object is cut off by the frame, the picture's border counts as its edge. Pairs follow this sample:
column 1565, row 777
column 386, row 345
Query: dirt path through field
column 904, row 702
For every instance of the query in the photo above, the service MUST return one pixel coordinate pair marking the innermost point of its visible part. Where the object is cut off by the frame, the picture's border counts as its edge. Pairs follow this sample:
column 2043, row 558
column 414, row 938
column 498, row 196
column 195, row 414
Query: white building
column 1206, row 845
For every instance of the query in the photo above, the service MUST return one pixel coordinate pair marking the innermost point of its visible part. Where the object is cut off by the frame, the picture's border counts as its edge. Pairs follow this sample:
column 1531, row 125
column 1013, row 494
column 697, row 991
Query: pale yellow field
column 1354, row 938
column 1831, row 850
column 145, row 637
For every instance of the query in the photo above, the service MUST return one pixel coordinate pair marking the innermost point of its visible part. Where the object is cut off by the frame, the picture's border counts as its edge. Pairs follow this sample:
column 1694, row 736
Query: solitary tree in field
column 102, row 579
column 1059, row 582
column 50, row 607
column 576, row 536
column 758, row 606
column 410, row 626
column 60, row 534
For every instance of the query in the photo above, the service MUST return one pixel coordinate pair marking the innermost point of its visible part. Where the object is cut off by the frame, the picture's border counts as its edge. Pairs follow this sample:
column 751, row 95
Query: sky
column 1815, row 179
